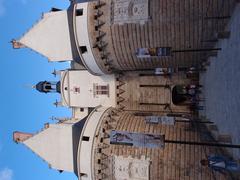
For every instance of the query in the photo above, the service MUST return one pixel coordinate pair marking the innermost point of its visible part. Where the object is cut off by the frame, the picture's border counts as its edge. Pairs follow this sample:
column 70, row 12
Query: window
column 81, row 109
column 55, row 9
column 101, row 89
column 83, row 49
column 76, row 90
column 153, row 52
column 85, row 138
column 83, row 175
column 79, row 12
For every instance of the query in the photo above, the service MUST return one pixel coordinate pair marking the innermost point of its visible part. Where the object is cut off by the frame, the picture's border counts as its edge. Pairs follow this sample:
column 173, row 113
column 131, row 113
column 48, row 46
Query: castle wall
column 131, row 95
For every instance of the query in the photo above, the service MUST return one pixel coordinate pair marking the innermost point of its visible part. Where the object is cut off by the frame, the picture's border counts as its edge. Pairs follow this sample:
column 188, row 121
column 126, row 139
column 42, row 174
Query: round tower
column 118, row 35
column 106, row 36
column 148, row 158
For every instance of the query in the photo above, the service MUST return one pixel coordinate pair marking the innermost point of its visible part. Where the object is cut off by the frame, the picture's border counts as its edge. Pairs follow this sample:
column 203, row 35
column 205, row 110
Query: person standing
column 220, row 163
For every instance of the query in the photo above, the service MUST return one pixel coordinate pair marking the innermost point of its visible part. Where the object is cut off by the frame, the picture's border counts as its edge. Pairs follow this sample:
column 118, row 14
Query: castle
column 131, row 63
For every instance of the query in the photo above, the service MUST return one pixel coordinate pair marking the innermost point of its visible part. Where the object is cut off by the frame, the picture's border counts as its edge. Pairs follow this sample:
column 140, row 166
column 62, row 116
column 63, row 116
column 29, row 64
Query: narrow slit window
column 81, row 109
column 85, row 138
column 83, row 49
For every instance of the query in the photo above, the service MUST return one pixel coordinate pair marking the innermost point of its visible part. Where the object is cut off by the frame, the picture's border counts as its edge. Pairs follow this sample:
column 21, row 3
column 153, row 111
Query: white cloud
column 2, row 8
column 6, row 174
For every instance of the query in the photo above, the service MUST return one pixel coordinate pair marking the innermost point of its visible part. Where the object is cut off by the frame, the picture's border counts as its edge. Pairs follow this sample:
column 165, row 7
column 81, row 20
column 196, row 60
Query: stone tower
column 118, row 35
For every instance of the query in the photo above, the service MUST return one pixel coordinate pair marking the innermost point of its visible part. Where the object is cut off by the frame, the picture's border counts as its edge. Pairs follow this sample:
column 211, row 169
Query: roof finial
column 16, row 44
column 56, row 72
column 29, row 86
column 58, row 103
column 20, row 136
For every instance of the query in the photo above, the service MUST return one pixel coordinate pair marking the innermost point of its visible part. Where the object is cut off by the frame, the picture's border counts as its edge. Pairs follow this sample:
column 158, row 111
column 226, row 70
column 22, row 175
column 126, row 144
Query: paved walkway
column 222, row 84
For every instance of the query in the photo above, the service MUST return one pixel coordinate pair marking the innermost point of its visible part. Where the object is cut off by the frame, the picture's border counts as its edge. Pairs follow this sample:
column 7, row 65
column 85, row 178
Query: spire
column 29, row 86
column 20, row 137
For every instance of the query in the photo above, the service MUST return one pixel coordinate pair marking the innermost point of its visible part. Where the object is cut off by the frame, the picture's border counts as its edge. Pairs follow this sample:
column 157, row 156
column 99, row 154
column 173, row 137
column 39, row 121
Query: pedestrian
column 220, row 163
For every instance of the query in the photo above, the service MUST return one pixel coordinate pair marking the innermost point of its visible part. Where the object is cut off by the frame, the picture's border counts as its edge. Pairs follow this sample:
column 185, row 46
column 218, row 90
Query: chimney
column 16, row 44
column 20, row 136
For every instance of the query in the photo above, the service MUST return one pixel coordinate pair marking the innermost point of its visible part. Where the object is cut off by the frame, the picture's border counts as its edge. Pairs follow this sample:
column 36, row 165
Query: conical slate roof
column 54, row 145
column 50, row 37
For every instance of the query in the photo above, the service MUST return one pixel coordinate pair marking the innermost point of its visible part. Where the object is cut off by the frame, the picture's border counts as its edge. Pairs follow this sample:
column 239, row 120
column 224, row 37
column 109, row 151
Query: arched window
column 178, row 95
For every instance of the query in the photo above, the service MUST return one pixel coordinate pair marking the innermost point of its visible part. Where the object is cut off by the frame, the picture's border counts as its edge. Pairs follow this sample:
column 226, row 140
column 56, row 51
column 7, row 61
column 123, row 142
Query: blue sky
column 22, row 108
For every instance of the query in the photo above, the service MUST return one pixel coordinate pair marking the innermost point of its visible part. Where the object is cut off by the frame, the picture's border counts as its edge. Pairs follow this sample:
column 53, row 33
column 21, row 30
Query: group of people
column 191, row 95
column 193, row 72
column 192, row 90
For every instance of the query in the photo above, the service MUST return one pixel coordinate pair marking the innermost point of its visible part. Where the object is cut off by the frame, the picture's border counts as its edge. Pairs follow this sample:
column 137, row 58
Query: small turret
column 48, row 87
